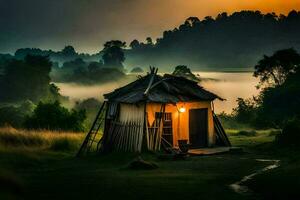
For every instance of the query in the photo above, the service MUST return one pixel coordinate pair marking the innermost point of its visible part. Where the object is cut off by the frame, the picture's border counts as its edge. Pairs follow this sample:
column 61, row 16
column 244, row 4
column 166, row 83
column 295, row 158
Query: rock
column 140, row 164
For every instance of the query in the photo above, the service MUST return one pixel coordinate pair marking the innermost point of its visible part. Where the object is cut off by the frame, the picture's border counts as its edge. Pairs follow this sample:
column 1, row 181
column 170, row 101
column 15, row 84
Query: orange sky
column 87, row 24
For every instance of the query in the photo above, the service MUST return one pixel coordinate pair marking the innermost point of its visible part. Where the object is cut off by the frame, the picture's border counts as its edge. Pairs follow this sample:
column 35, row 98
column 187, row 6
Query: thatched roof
column 162, row 89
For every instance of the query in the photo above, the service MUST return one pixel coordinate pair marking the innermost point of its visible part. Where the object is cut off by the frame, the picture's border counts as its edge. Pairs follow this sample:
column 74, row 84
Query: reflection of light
column 182, row 109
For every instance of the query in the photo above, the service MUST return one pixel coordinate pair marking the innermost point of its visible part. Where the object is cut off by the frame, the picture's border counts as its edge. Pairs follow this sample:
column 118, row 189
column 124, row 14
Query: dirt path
column 239, row 186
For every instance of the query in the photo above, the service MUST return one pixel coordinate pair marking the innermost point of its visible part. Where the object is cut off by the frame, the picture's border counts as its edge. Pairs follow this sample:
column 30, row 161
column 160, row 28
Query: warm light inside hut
column 182, row 109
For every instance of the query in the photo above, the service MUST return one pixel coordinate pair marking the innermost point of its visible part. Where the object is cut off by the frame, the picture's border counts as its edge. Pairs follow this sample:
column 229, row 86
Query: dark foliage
column 88, row 104
column 246, row 110
column 290, row 133
column 227, row 41
column 79, row 71
column 27, row 79
column 15, row 115
column 281, row 103
column 53, row 116
column 113, row 55
column 184, row 71
column 278, row 102
column 68, row 53
column 91, row 106
column 273, row 70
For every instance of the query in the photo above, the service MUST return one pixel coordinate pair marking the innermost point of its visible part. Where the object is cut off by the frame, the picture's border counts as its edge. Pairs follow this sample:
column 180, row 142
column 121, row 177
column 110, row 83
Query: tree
column 280, row 104
column 273, row 70
column 246, row 110
column 94, row 66
column 192, row 21
column 113, row 55
column 149, row 41
column 184, row 71
column 74, row 64
column 69, row 51
column 53, row 116
column 26, row 79
column 134, row 44
column 14, row 115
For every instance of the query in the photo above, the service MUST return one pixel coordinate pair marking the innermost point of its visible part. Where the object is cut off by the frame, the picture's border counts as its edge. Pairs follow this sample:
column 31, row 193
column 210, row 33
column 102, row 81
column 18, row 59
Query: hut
column 156, row 112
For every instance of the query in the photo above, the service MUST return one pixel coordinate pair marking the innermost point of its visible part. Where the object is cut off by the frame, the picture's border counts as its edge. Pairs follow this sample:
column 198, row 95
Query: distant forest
column 226, row 42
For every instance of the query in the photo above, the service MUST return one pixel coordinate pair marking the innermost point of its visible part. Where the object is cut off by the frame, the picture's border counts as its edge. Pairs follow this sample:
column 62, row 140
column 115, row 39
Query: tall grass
column 39, row 139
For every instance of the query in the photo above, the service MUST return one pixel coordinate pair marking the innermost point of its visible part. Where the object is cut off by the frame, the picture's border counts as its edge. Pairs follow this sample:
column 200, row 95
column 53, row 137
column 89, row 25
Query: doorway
column 198, row 127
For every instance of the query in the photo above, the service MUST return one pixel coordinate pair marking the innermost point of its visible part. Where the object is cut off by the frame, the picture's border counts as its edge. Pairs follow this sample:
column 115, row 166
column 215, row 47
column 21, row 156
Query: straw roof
column 161, row 89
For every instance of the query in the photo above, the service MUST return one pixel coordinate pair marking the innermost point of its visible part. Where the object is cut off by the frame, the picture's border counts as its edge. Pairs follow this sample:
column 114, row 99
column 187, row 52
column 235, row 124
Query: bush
column 290, row 133
column 91, row 106
column 14, row 115
column 53, row 116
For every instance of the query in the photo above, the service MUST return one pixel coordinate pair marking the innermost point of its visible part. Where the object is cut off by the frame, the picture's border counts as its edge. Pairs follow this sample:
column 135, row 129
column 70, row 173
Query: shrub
column 14, row 115
column 53, row 116
column 290, row 133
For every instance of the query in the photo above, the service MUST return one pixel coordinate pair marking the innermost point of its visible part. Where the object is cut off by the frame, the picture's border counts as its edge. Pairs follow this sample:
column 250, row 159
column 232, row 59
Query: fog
column 227, row 85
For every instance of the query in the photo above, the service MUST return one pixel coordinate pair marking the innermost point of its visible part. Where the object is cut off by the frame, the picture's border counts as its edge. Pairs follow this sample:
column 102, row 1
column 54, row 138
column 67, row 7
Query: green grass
column 42, row 165
column 251, row 140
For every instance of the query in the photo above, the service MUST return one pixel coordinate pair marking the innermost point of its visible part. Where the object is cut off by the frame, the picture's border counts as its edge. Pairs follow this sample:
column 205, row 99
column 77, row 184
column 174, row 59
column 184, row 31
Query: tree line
column 28, row 98
column 227, row 41
column 277, row 105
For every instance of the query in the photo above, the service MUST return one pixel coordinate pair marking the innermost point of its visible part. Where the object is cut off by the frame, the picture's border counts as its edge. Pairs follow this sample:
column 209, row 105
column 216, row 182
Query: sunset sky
column 87, row 24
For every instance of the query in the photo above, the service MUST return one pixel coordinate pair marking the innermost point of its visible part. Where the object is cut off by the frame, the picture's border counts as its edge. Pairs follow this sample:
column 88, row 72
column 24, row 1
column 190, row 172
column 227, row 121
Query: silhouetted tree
column 184, row 71
column 28, row 79
column 278, row 102
column 273, row 70
column 149, row 41
column 69, row 51
column 94, row 66
column 134, row 44
column 192, row 21
column 236, row 41
column 113, row 55
column 74, row 64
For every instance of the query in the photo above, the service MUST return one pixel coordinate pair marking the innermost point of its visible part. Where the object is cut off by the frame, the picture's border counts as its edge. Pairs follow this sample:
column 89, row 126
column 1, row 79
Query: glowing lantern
column 182, row 109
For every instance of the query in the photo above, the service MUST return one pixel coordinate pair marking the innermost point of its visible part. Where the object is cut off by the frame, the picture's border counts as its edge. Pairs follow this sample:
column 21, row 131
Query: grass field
column 41, row 165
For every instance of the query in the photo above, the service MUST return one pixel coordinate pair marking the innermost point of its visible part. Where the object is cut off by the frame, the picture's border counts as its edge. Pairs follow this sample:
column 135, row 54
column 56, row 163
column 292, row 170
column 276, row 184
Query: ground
column 50, row 171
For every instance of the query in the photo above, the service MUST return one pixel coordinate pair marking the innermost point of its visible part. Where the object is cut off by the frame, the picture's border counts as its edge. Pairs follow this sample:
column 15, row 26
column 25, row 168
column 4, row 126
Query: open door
column 198, row 127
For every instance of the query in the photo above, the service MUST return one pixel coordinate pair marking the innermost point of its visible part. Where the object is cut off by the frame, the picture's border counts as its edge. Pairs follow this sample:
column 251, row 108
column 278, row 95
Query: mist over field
column 227, row 85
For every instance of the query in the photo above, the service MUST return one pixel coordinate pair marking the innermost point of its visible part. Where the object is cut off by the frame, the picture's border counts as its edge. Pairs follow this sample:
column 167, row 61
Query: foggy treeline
column 226, row 42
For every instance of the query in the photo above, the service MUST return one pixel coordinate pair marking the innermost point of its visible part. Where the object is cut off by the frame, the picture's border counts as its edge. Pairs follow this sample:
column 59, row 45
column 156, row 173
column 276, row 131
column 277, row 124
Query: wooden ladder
column 220, row 132
column 90, row 138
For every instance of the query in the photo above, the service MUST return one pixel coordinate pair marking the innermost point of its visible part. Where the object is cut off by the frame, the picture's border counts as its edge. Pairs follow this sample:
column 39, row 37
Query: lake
column 228, row 85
